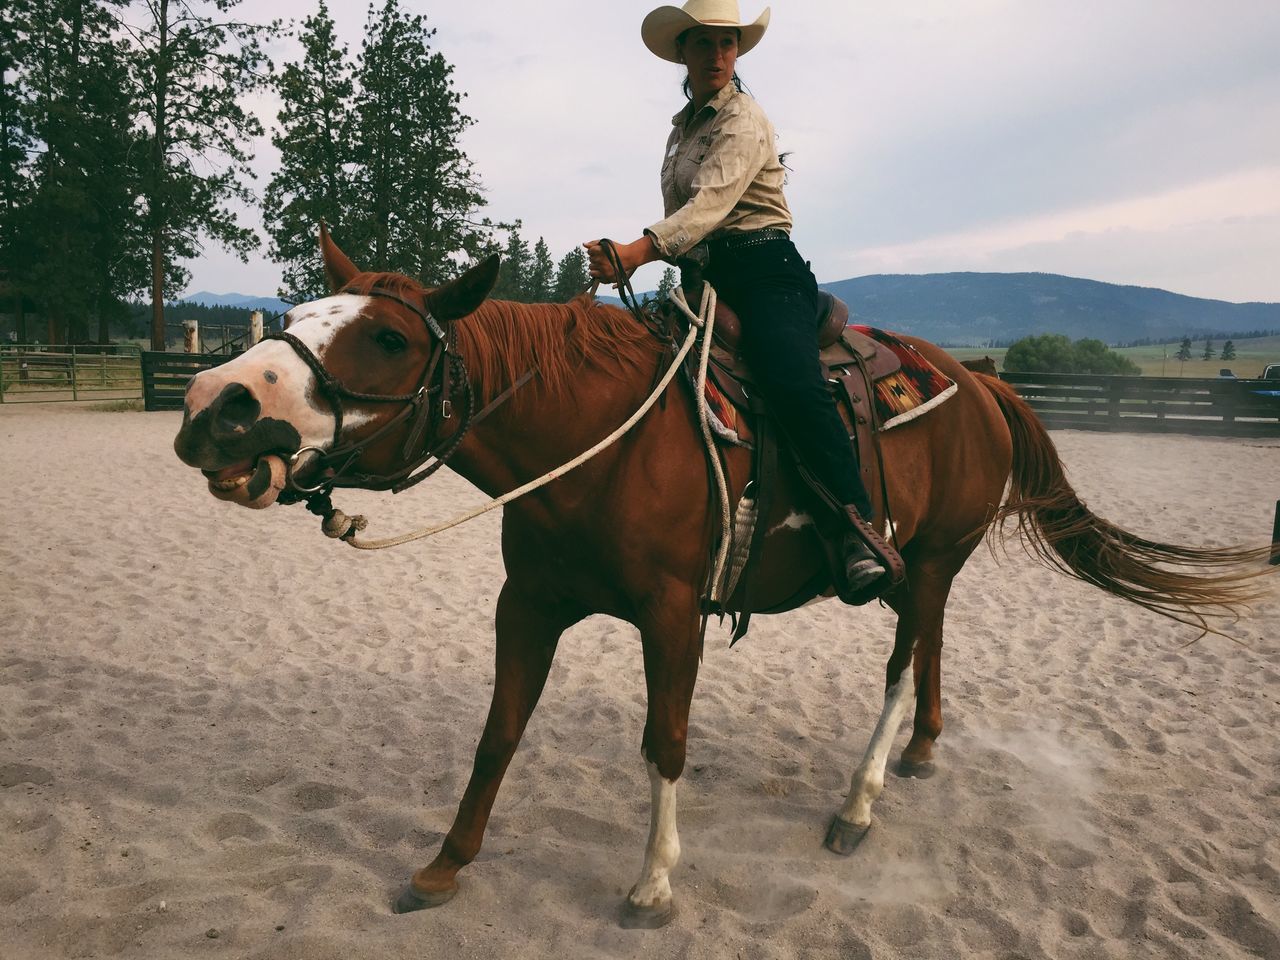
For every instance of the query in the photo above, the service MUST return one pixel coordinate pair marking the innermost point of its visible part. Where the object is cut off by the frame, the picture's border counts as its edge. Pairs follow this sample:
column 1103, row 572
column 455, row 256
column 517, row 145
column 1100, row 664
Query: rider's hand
column 630, row 255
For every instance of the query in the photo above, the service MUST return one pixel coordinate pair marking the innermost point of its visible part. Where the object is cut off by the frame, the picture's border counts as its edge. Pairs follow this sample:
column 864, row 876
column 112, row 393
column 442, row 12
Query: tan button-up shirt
column 720, row 174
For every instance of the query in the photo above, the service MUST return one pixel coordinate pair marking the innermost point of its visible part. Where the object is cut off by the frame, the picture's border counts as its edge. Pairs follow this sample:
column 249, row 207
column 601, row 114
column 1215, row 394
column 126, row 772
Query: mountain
column 985, row 308
column 269, row 305
column 978, row 308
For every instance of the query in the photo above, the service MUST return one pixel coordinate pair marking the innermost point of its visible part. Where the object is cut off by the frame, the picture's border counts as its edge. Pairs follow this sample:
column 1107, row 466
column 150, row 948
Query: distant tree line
column 1207, row 334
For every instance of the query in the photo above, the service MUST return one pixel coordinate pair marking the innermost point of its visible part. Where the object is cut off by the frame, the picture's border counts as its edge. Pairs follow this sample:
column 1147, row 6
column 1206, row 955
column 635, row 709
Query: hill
column 978, row 308
column 994, row 308
column 270, row 305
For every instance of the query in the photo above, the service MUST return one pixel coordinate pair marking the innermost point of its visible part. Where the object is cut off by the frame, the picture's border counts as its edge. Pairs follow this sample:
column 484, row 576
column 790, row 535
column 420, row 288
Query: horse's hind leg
column 917, row 756
column 669, row 633
column 528, row 631
column 920, row 612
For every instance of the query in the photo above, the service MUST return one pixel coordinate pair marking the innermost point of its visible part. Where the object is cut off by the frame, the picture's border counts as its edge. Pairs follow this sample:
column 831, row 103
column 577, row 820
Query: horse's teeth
column 231, row 484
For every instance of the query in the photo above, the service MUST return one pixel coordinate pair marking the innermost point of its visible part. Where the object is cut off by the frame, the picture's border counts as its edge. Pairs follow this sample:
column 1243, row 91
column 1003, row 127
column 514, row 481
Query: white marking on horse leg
column 868, row 779
column 663, row 851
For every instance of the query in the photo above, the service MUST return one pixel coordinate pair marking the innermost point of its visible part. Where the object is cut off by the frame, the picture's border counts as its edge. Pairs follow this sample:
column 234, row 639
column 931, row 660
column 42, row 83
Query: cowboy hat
column 662, row 26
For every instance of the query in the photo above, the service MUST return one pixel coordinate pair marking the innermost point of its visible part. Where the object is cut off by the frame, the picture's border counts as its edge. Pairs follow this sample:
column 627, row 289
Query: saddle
column 851, row 363
column 844, row 354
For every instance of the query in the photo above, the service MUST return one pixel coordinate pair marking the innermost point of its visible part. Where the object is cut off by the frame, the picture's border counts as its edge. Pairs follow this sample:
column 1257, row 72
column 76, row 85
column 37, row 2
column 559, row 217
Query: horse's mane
column 503, row 339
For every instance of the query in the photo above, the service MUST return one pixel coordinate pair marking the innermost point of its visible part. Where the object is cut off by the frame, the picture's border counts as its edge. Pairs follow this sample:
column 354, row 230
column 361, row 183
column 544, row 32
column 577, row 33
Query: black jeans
column 775, row 295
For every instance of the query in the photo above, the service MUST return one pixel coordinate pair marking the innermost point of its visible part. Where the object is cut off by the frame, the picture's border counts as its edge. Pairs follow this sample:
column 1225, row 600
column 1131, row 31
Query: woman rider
column 722, row 185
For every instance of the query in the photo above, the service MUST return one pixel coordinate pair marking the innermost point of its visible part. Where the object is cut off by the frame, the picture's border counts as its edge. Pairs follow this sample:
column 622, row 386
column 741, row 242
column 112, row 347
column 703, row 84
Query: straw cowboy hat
column 662, row 26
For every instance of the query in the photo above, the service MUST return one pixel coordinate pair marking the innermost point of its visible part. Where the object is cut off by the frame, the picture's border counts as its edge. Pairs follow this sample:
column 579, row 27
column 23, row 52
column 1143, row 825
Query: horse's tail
column 1063, row 534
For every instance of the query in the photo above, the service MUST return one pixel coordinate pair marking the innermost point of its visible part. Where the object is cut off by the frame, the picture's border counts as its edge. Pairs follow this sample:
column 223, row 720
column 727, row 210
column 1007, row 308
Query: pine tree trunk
column 158, row 212
column 157, row 290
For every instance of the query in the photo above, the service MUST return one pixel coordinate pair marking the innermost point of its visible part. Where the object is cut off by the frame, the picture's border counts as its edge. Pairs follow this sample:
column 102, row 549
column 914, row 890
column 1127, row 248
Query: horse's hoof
column 909, row 769
column 411, row 899
column 646, row 918
column 843, row 837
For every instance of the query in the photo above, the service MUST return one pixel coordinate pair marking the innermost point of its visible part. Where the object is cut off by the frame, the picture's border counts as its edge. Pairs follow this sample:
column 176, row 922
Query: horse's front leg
column 528, row 629
column 669, row 632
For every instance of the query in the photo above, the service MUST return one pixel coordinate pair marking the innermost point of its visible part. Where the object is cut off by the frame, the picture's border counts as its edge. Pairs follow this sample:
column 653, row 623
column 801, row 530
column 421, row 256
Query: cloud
column 1164, row 234
column 1092, row 138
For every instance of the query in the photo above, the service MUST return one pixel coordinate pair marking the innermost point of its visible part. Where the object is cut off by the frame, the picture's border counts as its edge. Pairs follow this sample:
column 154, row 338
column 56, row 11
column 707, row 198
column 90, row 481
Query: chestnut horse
column 627, row 534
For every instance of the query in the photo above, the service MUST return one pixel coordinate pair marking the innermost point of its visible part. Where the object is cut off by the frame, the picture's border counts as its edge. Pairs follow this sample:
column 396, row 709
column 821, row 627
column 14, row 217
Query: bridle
column 443, row 374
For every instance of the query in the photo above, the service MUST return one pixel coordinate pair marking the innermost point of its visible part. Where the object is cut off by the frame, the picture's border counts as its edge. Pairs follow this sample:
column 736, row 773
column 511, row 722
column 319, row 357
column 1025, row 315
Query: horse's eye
column 392, row 341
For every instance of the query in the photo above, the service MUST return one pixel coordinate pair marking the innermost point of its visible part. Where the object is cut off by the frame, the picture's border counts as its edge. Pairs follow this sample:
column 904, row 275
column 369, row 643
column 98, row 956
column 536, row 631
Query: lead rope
column 708, row 312
column 339, row 526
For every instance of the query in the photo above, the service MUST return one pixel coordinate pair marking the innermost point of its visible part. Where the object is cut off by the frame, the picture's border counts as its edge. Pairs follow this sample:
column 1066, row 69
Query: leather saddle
column 843, row 353
column 851, row 364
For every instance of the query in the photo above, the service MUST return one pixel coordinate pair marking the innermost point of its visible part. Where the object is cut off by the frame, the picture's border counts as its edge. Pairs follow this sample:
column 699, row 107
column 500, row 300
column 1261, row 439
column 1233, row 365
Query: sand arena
column 223, row 735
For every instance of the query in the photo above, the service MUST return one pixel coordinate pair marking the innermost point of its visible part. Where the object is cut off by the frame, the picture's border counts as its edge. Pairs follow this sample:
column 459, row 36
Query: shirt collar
column 715, row 104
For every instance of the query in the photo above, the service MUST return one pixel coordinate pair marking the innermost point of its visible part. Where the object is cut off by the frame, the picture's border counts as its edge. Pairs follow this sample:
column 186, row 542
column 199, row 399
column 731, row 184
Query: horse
column 982, row 364
column 369, row 378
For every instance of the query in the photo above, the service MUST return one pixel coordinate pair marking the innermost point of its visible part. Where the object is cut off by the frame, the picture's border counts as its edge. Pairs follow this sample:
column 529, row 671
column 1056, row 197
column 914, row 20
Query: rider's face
column 710, row 54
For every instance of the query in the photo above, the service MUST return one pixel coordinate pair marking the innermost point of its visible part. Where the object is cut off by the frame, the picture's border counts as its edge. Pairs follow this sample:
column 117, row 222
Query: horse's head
column 352, row 371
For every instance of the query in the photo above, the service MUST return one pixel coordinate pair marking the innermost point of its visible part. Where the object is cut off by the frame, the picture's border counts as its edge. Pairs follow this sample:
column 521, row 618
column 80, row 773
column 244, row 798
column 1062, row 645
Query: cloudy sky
column 1132, row 141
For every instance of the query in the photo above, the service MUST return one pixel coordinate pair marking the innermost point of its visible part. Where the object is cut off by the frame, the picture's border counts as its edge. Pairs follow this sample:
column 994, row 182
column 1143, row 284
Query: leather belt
column 741, row 239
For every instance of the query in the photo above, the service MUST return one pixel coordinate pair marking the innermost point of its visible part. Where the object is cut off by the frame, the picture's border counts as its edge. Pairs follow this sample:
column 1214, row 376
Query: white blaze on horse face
column 279, row 380
column 868, row 779
column 653, row 889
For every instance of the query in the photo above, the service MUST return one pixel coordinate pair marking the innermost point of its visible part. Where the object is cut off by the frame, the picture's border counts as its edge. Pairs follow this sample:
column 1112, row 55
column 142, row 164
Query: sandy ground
column 222, row 735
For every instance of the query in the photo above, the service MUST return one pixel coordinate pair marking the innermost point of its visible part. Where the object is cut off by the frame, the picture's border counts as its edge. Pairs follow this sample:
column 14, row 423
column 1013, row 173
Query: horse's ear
column 462, row 296
column 338, row 270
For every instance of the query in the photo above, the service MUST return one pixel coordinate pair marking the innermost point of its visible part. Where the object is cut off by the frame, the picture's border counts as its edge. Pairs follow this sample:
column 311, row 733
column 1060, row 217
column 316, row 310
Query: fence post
column 191, row 336
column 255, row 327
column 2, row 351
column 1275, row 538
column 74, row 374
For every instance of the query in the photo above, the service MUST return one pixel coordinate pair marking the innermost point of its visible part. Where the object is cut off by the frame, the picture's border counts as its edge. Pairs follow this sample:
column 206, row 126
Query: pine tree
column 15, row 144
column 513, row 276
column 1184, row 350
column 419, row 191
column 1228, row 350
column 313, row 181
column 79, row 231
column 572, row 276
column 666, row 284
column 541, row 274
column 193, row 70
column 1208, row 349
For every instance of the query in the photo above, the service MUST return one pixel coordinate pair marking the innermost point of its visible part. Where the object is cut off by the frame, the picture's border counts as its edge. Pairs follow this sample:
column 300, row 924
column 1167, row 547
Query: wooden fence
column 1225, row 407
column 165, row 376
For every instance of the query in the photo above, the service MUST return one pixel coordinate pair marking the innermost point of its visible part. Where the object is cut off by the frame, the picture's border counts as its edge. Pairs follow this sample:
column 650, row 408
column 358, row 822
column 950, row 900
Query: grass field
column 1251, row 357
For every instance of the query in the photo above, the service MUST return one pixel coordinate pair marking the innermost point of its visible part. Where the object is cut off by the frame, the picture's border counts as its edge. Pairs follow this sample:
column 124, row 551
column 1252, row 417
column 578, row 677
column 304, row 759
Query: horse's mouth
column 253, row 483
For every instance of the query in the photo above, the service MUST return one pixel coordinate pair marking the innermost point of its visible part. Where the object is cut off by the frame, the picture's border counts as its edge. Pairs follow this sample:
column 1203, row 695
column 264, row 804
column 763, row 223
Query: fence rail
column 1222, row 407
column 31, row 373
column 165, row 376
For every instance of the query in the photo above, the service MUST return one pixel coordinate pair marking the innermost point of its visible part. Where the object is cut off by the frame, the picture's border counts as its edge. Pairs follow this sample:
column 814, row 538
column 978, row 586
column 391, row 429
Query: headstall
column 443, row 374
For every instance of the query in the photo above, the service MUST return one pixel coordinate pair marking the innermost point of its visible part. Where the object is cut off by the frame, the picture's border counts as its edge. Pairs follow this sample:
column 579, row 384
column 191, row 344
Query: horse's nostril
column 238, row 410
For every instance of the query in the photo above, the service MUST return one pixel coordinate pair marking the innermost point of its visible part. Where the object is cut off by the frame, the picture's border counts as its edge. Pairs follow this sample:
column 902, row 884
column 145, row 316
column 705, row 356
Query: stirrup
column 862, row 568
